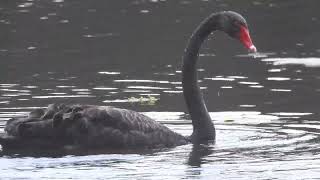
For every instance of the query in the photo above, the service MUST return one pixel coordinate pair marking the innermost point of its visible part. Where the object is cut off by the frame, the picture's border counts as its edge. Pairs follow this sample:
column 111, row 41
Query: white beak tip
column 253, row 49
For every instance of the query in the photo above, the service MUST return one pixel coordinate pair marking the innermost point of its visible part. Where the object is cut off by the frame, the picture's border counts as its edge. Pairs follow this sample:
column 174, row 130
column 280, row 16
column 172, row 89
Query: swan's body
column 90, row 126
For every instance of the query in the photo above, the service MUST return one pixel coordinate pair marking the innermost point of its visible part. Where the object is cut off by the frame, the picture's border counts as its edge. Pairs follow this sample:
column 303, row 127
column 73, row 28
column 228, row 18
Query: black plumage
column 90, row 127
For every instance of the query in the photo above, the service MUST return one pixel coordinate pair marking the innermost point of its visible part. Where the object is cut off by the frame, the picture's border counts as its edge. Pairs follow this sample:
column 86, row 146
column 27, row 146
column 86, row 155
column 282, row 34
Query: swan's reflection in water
column 197, row 156
column 198, row 153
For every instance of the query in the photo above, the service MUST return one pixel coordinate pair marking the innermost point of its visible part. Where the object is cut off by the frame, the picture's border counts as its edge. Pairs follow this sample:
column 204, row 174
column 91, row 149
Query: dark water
column 128, row 54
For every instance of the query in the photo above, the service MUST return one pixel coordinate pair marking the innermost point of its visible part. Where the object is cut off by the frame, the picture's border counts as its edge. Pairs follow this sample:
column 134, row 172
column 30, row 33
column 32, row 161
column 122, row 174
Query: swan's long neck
column 203, row 128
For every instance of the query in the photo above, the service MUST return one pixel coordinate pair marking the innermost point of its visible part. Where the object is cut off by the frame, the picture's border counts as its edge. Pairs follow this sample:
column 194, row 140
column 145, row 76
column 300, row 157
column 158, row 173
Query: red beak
column 246, row 40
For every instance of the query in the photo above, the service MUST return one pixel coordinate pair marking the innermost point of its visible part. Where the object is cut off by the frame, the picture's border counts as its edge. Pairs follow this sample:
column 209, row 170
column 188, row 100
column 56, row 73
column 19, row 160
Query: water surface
column 128, row 54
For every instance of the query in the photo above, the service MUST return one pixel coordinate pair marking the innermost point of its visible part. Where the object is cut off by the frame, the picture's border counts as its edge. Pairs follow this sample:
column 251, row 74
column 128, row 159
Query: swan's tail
column 41, row 129
column 6, row 140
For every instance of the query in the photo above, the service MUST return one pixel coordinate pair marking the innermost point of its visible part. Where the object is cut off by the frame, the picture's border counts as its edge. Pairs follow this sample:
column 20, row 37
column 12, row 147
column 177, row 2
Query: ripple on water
column 62, row 96
column 180, row 87
column 248, row 83
column 308, row 61
column 147, row 87
column 80, row 90
column 142, row 100
column 57, row 93
column 8, row 85
column 290, row 113
column 278, row 78
column 226, row 78
column 281, row 90
column 237, row 77
column 220, row 79
column 25, row 5
column 226, row 87
column 109, row 72
column 249, row 144
column 257, row 55
column 172, row 92
column 65, row 86
column 104, row 88
column 15, row 94
column 274, row 70
column 15, row 90
column 103, row 35
column 135, row 91
column 141, row 81
column 256, row 86
column 149, row 94
column 58, row 1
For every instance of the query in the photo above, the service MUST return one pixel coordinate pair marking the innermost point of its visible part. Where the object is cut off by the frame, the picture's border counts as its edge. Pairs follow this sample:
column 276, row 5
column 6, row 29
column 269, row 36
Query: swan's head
column 236, row 27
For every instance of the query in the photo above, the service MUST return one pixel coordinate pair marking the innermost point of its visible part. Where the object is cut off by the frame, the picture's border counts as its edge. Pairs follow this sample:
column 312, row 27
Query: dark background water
column 139, row 38
column 107, row 52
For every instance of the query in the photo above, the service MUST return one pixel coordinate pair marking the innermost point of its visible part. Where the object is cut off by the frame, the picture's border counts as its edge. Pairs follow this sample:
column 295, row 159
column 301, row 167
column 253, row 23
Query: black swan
column 89, row 126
